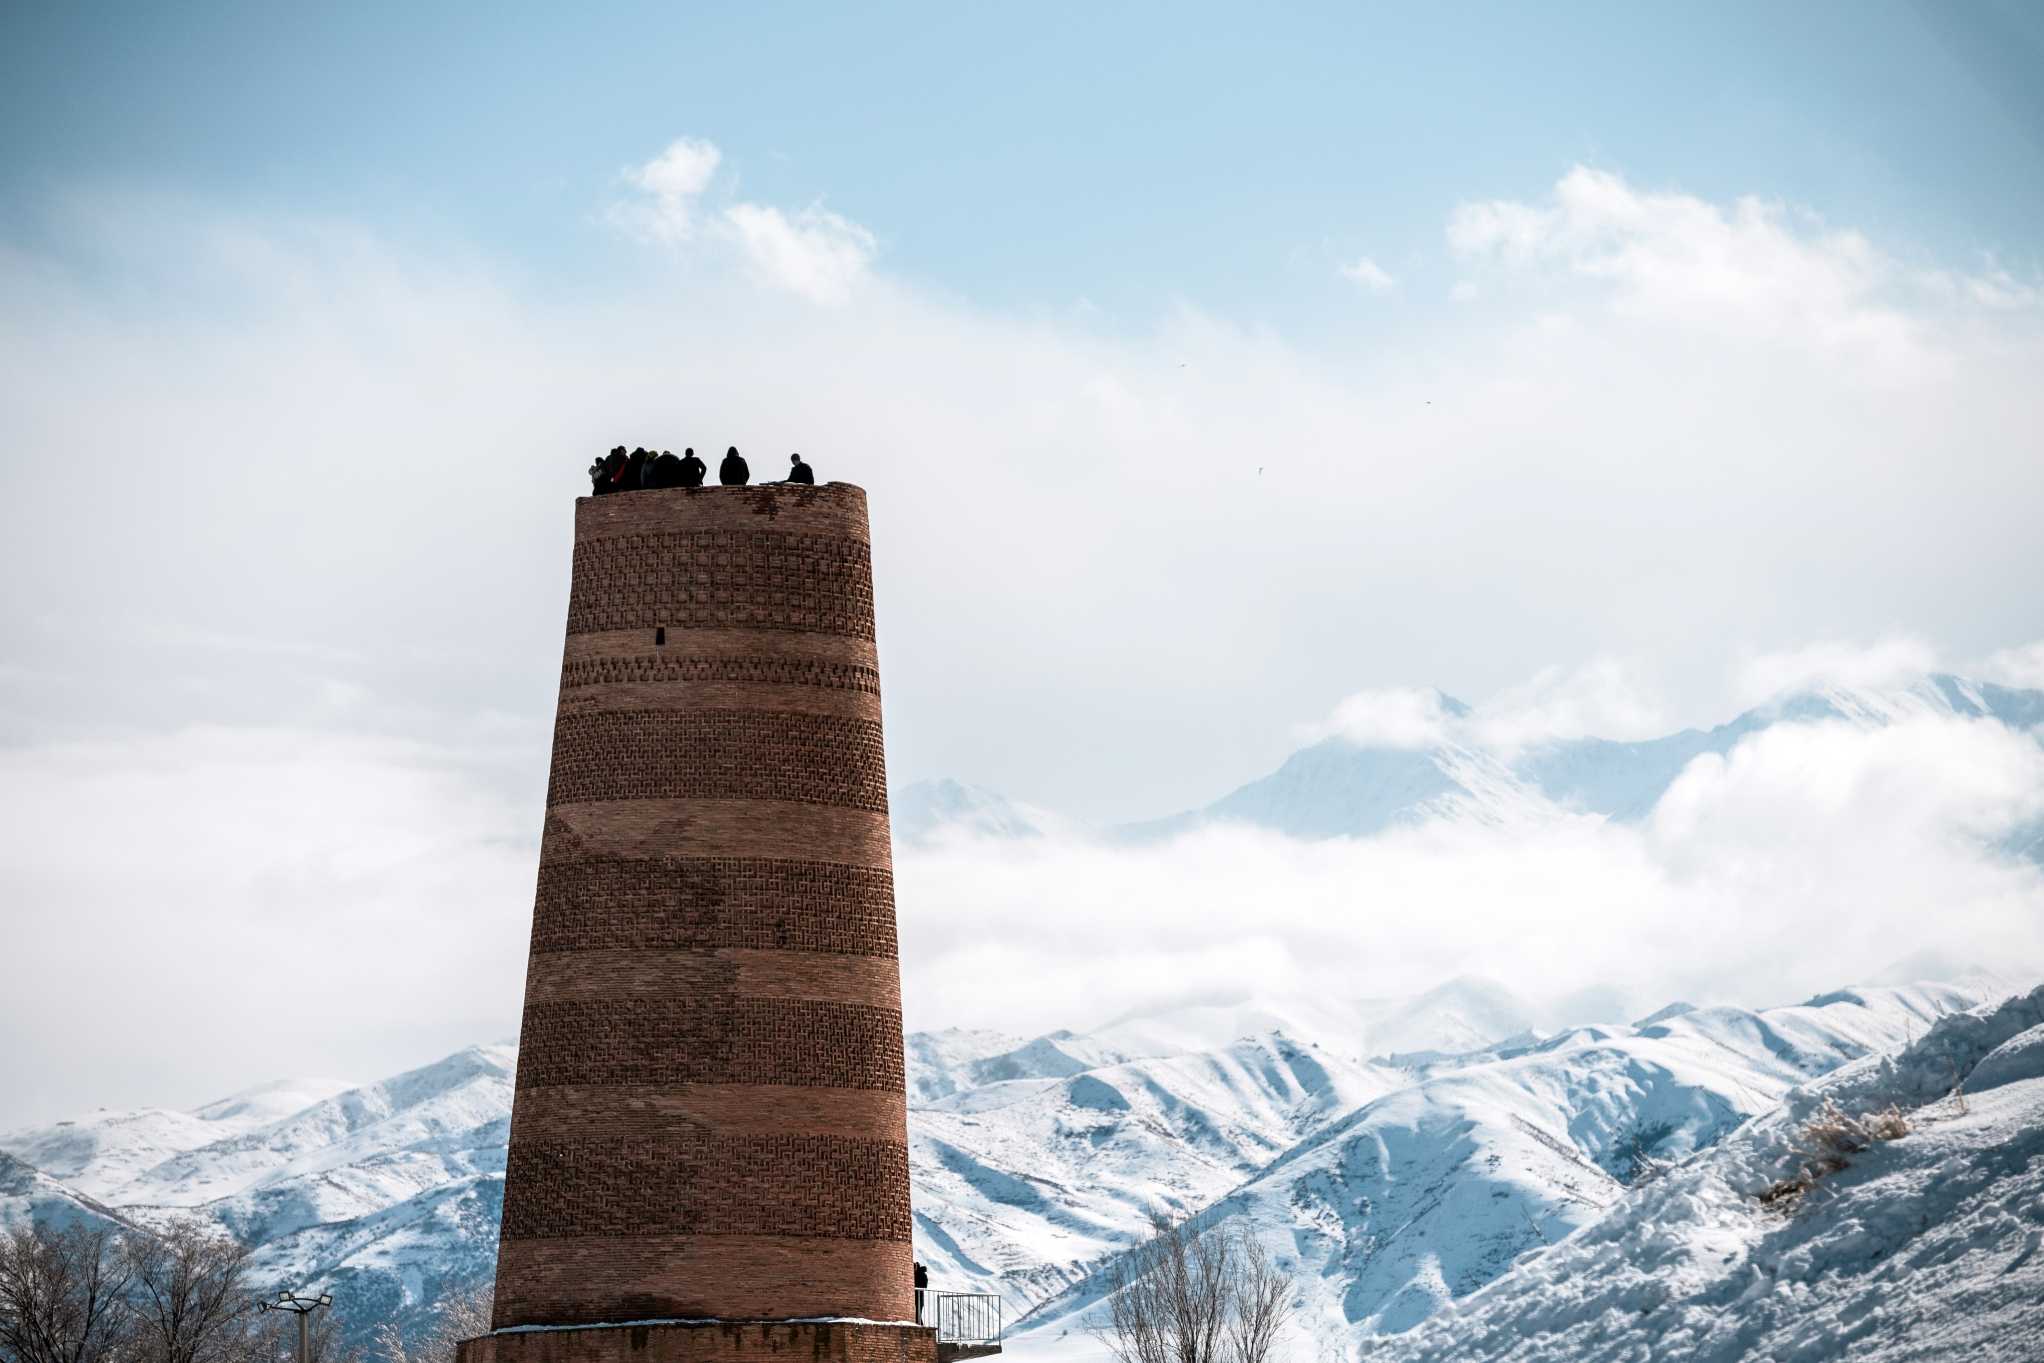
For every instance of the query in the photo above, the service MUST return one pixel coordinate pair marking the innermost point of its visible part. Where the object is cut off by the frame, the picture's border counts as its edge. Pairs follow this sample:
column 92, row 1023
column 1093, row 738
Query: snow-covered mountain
column 922, row 812
column 1339, row 787
column 1929, row 1246
column 1393, row 1188
column 1428, row 1192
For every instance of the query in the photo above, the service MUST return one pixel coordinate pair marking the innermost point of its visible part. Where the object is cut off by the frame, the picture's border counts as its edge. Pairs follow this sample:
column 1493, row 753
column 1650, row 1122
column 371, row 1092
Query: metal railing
column 960, row 1317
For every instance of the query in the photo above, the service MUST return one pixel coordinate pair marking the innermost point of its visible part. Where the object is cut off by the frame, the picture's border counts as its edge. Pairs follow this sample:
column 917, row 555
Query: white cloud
column 672, row 182
column 1754, row 268
column 1889, row 662
column 1606, row 697
column 1369, row 274
column 2022, row 666
column 816, row 254
column 1813, row 856
column 813, row 253
column 1397, row 717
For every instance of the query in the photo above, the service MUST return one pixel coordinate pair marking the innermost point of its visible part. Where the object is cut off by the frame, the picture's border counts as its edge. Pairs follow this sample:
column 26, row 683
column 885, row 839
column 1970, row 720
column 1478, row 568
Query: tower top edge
column 787, row 508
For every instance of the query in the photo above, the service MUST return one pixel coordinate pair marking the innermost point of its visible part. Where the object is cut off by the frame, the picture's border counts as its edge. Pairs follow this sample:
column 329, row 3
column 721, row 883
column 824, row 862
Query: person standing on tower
column 692, row 468
column 799, row 472
column 733, row 472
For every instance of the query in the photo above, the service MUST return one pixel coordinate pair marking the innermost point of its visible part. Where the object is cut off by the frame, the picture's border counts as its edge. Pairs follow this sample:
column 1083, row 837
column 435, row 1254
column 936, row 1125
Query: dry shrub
column 1827, row 1141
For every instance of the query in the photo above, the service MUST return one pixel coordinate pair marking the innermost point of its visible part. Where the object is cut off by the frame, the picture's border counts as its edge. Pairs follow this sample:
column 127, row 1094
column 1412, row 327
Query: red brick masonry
column 709, row 1120
column 829, row 1342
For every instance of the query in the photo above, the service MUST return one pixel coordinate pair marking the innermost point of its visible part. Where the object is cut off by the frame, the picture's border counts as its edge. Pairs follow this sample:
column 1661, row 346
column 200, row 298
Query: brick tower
column 709, row 1141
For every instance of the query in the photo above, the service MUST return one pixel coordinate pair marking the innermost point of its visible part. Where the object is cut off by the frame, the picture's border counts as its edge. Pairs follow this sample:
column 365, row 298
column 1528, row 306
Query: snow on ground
column 1929, row 1247
column 1433, row 1190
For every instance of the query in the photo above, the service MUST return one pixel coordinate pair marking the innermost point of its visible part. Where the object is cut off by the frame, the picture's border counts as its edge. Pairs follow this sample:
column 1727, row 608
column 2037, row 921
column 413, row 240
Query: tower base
column 837, row 1341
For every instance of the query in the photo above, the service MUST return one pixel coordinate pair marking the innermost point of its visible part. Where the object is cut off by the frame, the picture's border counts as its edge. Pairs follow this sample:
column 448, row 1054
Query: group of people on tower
column 642, row 468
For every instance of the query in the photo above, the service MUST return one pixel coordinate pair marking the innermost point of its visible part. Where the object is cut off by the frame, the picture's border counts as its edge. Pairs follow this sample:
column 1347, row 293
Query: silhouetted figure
column 733, row 472
column 613, row 471
column 799, row 472
column 922, row 1276
column 693, row 470
column 666, row 470
column 635, row 470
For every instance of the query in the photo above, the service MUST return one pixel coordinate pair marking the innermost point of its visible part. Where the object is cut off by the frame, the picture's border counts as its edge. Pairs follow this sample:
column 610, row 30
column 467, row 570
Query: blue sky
column 1033, row 157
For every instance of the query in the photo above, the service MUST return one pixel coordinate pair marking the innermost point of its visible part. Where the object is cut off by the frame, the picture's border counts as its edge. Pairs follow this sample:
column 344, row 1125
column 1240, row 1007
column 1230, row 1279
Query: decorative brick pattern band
column 723, row 579
column 713, row 1039
column 708, row 902
column 718, row 755
column 560, row 976
column 696, row 1182
column 648, row 670
column 724, row 1342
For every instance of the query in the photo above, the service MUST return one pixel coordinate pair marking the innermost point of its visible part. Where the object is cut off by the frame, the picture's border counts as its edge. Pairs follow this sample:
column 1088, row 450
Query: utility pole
column 301, row 1307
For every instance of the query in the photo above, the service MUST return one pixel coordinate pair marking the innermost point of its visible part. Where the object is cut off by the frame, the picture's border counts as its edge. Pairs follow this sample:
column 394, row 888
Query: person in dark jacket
column 799, row 472
column 613, row 471
column 922, row 1286
column 635, row 469
column 693, row 469
column 733, row 472
column 666, row 470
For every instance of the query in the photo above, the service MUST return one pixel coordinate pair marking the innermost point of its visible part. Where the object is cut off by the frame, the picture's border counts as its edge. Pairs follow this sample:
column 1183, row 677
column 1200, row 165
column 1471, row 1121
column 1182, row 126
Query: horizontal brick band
column 711, row 902
column 826, row 509
column 696, row 1182
column 771, row 829
column 589, row 1279
column 712, row 578
column 718, row 754
column 754, row 668
column 722, row 643
column 868, row 1114
column 835, row 1341
column 712, row 1039
column 643, row 972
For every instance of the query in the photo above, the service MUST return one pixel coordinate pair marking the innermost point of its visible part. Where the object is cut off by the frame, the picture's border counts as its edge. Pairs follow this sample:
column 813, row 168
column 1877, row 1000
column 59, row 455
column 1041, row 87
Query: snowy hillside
column 1397, row 1187
column 1434, row 1189
column 1930, row 1246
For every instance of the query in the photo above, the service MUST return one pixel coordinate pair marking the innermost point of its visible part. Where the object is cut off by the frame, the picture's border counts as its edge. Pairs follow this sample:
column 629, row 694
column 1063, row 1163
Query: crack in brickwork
column 718, row 755
column 711, row 1039
column 667, row 903
column 723, row 579
column 695, row 1182
column 834, row 676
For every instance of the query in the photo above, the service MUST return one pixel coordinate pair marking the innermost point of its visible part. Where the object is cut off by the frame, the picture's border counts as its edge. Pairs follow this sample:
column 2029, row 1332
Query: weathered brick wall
column 709, row 1119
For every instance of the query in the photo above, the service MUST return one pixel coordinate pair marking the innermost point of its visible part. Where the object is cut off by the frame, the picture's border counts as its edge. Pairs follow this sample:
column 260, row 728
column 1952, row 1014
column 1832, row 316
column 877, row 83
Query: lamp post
column 301, row 1307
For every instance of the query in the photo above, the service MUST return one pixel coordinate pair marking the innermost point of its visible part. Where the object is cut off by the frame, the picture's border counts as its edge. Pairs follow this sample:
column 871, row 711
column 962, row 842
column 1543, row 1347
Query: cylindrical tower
column 710, row 1121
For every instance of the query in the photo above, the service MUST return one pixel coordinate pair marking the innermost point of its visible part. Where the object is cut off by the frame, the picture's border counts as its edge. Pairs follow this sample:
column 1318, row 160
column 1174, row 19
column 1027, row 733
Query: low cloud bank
column 1811, row 856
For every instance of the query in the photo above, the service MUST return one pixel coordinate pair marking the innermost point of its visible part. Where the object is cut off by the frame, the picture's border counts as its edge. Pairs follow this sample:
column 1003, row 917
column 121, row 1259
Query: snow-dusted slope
column 1928, row 1247
column 98, row 1155
column 1021, row 1183
column 1431, row 1191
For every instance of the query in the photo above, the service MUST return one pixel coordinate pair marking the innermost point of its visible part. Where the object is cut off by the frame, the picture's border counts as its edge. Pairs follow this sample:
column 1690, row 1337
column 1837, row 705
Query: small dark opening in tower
column 660, row 636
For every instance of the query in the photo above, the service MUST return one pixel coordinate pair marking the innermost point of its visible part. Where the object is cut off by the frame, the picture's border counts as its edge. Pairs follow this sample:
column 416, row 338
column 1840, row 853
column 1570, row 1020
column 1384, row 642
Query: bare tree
column 459, row 1315
column 1262, row 1302
column 62, row 1295
column 190, row 1295
column 1195, row 1294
